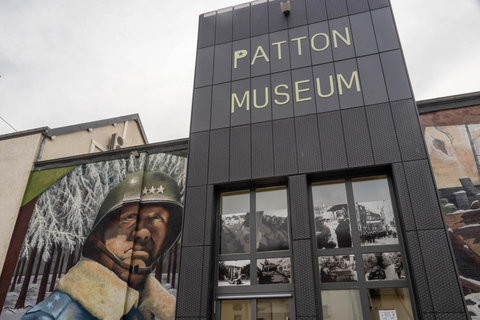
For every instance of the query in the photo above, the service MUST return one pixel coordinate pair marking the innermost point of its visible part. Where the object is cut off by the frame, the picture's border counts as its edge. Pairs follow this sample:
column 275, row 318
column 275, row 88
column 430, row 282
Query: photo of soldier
column 383, row 266
column 376, row 223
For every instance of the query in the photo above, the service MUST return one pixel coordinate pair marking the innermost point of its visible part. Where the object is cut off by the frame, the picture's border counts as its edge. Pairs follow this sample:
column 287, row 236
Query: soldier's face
column 136, row 238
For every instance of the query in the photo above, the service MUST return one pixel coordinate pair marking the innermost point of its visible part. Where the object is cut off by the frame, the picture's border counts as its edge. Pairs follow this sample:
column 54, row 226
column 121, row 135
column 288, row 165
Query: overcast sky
column 66, row 62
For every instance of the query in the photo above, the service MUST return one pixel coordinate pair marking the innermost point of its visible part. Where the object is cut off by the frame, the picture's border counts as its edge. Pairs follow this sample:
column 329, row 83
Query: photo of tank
column 337, row 268
column 273, row 270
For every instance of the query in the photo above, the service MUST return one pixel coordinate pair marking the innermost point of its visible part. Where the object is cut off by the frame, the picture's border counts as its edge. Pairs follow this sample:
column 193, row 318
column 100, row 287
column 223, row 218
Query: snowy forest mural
column 62, row 218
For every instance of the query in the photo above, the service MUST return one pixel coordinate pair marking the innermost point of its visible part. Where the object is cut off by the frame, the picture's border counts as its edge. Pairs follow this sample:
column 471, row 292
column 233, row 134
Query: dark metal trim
column 23, row 133
column 255, row 296
column 450, row 102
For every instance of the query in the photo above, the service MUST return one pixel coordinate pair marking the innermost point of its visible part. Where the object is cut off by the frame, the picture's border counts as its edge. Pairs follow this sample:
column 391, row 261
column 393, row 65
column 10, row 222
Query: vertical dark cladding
column 262, row 110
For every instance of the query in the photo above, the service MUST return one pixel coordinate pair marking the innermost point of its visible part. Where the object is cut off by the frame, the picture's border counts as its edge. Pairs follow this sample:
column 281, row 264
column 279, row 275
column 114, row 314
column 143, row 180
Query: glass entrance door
column 260, row 309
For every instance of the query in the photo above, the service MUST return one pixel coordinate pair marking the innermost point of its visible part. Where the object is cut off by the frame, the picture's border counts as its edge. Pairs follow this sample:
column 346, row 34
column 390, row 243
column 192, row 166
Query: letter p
column 239, row 55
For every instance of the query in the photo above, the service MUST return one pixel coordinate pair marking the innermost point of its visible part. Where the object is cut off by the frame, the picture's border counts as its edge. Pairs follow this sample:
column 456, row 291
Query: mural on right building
column 453, row 144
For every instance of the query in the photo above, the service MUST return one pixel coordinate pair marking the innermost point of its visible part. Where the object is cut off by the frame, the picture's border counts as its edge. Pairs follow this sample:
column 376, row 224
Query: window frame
column 253, row 255
column 362, row 285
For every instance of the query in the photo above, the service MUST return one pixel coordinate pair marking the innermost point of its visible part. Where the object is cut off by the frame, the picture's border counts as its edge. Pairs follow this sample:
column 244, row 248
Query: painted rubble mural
column 101, row 242
column 454, row 153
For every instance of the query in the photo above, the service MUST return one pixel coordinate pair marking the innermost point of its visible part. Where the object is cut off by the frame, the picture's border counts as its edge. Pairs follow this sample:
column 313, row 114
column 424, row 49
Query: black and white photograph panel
column 332, row 223
column 273, row 270
column 374, row 211
column 341, row 268
column 235, row 228
column 271, row 219
column 383, row 266
column 234, row 273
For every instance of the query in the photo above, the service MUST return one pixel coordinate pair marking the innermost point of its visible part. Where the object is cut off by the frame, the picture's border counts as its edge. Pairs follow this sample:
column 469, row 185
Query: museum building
column 309, row 190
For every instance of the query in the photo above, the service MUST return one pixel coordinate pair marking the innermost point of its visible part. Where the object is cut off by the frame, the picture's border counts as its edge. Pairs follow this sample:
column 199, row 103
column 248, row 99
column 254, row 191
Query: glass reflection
column 374, row 211
column 393, row 302
column 332, row 223
column 272, row 219
column 235, row 228
column 272, row 309
column 235, row 310
column 341, row 305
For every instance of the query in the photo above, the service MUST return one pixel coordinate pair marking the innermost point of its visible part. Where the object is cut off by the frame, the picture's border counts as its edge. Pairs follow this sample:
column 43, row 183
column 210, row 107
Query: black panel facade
column 295, row 102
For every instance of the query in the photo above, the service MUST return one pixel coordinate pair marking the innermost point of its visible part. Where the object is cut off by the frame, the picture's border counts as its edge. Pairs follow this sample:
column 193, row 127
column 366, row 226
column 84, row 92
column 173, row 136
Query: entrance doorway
column 258, row 308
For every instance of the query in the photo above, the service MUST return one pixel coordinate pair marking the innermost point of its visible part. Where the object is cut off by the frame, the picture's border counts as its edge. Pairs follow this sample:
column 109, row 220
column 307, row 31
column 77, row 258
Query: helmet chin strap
column 135, row 269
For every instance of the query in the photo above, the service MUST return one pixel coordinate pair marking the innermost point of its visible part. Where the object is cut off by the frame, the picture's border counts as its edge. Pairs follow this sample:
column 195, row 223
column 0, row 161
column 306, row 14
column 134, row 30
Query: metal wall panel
column 284, row 146
column 357, row 138
column 190, row 286
column 299, row 47
column 357, row 6
column 321, row 48
column 299, row 207
column 221, row 107
column 202, row 100
column 382, row 134
column 222, row 67
column 261, row 65
column 331, row 141
column 363, row 34
column 423, row 195
column 277, row 21
column 303, row 273
column 224, row 28
column 259, row 17
column 240, row 154
column 282, row 106
column 403, row 196
column 385, row 30
column 205, row 306
column 241, row 22
column 316, row 10
column 298, row 14
column 195, row 205
column 442, row 278
column 303, row 101
column 218, row 168
column 198, row 150
column 326, row 94
column 206, row 30
column 351, row 97
column 204, row 67
column 451, row 316
column 308, row 144
column 210, row 215
column 341, row 50
column 419, row 275
column 409, row 134
column 428, row 316
column 240, row 115
column 280, row 57
column 261, row 105
column 398, row 86
column 375, row 4
column 336, row 8
column 262, row 150
column 371, row 77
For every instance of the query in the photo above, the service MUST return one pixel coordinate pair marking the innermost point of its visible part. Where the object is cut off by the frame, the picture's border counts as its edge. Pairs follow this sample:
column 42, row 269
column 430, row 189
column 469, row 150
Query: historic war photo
column 235, row 236
column 340, row 268
column 332, row 223
column 383, row 266
column 273, row 270
column 233, row 273
column 376, row 223
column 272, row 230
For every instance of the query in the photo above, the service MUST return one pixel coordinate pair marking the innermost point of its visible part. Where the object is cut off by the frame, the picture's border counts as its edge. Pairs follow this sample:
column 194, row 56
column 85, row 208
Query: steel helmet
column 152, row 187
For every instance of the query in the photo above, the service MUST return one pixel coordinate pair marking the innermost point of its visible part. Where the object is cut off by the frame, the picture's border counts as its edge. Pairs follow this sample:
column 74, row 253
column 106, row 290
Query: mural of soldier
column 139, row 220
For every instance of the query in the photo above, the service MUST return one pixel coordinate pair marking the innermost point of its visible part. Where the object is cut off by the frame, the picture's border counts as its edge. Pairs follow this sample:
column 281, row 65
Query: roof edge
column 449, row 102
column 23, row 133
